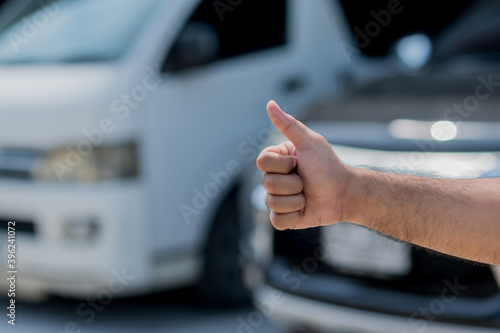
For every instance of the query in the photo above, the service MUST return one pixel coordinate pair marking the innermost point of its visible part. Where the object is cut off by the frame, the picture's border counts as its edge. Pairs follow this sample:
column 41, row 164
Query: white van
column 125, row 126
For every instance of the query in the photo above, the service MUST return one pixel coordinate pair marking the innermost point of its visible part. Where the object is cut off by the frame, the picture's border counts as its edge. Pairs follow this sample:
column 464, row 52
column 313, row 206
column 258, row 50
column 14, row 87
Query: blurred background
column 128, row 137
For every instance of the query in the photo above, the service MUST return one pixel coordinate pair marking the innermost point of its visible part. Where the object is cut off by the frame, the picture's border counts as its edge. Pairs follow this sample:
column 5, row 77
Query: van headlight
column 97, row 163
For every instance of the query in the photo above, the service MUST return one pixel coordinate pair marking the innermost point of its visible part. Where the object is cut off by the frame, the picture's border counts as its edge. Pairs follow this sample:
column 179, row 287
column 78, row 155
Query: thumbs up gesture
column 306, row 183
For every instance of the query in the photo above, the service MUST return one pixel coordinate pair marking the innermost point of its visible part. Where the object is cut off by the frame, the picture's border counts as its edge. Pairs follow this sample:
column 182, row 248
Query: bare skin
column 308, row 186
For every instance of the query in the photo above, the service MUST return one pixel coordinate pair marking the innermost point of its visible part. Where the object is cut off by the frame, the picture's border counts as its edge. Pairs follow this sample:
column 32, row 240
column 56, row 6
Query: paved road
column 170, row 312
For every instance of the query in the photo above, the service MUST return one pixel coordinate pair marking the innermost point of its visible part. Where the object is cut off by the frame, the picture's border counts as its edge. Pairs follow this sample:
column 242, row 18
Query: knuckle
column 271, row 201
column 319, row 138
column 269, row 183
column 278, row 222
column 264, row 159
column 286, row 126
column 261, row 161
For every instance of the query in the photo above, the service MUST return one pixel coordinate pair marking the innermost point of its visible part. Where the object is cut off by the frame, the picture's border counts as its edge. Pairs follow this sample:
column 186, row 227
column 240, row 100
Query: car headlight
column 77, row 165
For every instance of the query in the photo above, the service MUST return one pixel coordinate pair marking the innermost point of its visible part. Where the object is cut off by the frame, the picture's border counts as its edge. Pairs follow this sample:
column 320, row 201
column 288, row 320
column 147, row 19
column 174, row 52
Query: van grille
column 428, row 272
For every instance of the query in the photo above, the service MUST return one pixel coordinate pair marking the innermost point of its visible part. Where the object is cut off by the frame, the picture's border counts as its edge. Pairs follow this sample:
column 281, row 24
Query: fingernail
column 294, row 163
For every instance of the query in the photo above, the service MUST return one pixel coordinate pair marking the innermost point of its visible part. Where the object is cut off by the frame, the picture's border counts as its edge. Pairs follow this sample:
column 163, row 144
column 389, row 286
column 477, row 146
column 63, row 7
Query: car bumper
column 296, row 312
column 48, row 260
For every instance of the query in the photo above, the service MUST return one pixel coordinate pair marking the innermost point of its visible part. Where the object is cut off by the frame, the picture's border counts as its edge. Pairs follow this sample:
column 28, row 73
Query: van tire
column 222, row 282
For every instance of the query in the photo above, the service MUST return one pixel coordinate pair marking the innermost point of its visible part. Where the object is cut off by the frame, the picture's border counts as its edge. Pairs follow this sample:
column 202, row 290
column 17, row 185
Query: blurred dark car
column 441, row 118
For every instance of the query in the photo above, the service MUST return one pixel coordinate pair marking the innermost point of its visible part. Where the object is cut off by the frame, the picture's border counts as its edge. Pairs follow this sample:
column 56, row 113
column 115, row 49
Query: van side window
column 222, row 29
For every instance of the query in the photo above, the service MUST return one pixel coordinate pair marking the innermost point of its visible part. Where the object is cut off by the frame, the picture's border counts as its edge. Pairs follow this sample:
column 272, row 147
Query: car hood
column 433, row 97
column 43, row 107
column 400, row 112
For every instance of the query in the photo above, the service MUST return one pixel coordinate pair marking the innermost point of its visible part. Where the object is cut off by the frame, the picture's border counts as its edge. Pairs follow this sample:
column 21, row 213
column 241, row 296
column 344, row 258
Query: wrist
column 359, row 201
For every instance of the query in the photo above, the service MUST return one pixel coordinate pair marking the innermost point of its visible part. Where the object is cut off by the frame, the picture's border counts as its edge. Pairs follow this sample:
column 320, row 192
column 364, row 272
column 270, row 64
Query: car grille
column 426, row 277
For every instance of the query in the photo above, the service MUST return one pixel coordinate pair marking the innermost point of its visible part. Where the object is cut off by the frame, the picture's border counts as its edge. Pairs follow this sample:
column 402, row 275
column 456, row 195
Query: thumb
column 294, row 130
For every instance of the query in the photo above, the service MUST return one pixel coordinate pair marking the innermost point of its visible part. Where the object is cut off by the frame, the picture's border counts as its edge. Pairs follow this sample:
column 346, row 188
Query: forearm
column 456, row 217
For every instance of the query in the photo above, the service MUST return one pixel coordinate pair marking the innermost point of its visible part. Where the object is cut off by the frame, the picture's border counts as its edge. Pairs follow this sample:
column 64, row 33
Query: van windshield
column 65, row 31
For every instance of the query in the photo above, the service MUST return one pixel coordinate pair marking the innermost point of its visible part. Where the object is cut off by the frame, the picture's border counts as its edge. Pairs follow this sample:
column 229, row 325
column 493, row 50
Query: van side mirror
column 197, row 45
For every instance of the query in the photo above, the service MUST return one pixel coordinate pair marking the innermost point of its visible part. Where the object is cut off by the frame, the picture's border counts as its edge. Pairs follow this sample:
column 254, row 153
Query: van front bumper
column 76, row 239
column 297, row 313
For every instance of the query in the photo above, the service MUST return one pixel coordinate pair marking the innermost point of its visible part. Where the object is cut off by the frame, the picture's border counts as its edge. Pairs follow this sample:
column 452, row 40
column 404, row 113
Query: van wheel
column 222, row 283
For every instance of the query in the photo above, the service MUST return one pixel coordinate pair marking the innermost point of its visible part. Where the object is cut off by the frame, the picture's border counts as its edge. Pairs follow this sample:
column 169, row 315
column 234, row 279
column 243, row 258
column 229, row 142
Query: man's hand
column 308, row 186
column 306, row 182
